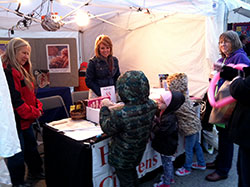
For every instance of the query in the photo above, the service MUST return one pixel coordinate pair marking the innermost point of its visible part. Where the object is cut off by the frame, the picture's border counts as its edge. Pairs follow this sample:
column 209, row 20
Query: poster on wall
column 242, row 28
column 3, row 44
column 58, row 58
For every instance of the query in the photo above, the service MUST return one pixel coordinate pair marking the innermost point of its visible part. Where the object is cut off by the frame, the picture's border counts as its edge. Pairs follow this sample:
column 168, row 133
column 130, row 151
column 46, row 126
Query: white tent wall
column 179, row 43
column 177, row 36
column 174, row 44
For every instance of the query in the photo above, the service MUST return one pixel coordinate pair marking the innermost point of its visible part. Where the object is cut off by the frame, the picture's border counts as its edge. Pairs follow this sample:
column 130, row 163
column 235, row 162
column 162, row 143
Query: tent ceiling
column 100, row 10
column 242, row 11
column 174, row 33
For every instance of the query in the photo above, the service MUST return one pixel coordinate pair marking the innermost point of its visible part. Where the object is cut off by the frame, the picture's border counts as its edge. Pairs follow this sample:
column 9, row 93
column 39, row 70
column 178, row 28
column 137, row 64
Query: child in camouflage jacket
column 129, row 126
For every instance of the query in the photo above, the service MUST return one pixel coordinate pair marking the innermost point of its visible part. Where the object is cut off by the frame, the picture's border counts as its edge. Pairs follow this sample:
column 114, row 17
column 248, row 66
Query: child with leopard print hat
column 189, row 125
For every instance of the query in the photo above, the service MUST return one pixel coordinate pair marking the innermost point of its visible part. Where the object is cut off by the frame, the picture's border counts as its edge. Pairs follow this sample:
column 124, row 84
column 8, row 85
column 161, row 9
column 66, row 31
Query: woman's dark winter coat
column 99, row 75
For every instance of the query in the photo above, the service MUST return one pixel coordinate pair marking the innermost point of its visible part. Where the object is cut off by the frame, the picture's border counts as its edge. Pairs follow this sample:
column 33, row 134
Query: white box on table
column 92, row 114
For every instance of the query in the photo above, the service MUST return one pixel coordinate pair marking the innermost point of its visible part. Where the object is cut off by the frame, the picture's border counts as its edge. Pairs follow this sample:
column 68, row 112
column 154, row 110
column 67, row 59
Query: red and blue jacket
column 25, row 104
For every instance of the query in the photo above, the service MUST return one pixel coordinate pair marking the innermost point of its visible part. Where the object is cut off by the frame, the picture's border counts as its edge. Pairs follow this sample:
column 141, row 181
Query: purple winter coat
column 237, row 57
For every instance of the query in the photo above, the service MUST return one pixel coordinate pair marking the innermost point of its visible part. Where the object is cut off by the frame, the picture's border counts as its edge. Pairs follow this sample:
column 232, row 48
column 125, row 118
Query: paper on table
column 84, row 134
column 109, row 91
column 69, row 124
column 76, row 129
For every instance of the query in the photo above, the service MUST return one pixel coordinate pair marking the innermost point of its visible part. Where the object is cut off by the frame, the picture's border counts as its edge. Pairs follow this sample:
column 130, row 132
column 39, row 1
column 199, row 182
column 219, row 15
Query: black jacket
column 165, row 138
column 239, row 124
column 98, row 74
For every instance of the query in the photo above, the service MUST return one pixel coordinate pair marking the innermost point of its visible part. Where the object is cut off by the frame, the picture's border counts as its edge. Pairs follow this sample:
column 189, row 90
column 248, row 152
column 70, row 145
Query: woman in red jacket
column 18, row 71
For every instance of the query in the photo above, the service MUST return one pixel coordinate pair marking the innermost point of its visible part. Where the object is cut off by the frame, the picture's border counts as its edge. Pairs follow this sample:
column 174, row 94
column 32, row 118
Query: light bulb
column 81, row 18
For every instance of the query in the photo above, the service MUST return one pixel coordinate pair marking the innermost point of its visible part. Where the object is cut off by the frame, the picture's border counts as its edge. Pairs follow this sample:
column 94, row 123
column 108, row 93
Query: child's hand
column 106, row 102
column 117, row 106
column 162, row 106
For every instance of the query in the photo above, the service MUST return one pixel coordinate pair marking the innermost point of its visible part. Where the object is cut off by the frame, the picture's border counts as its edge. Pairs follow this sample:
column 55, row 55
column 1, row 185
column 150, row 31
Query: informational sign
column 109, row 91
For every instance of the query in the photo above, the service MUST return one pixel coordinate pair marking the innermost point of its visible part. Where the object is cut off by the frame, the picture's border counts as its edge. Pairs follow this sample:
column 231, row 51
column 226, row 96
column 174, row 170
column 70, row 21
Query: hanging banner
column 104, row 175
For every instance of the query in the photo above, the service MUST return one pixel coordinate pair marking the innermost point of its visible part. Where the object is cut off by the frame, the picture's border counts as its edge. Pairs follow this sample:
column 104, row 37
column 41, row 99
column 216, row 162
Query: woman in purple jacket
column 232, row 53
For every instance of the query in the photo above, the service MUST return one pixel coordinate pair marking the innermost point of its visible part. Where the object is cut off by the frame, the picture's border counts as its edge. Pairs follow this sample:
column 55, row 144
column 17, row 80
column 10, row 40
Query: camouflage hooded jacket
column 129, row 126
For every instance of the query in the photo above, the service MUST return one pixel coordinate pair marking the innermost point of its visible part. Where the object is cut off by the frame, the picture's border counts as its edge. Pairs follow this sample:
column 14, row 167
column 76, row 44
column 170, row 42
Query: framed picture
column 58, row 58
column 3, row 44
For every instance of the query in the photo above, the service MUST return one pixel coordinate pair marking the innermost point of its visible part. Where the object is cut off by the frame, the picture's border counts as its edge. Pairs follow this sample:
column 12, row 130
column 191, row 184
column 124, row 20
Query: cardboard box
column 96, row 102
column 92, row 114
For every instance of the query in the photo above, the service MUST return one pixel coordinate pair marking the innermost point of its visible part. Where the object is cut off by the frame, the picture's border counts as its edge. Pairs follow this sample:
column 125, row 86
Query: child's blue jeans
column 192, row 143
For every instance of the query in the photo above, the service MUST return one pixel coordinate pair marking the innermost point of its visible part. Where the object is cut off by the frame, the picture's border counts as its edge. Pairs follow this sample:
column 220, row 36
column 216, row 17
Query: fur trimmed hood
column 188, row 121
column 178, row 82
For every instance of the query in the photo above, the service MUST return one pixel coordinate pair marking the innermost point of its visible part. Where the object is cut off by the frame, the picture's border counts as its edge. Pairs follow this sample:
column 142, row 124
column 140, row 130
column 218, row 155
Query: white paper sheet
column 76, row 129
column 84, row 134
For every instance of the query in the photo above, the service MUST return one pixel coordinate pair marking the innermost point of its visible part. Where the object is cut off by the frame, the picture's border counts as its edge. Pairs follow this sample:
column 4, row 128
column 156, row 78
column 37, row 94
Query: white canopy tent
column 155, row 36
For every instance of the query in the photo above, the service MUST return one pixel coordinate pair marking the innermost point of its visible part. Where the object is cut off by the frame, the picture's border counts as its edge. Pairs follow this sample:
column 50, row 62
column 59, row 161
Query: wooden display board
column 58, row 55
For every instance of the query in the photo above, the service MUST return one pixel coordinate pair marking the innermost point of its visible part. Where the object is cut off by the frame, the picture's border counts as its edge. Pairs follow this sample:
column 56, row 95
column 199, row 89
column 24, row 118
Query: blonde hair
column 105, row 40
column 9, row 57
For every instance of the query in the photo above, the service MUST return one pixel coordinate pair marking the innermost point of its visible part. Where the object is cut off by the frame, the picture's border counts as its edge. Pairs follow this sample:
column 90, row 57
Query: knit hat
column 166, row 96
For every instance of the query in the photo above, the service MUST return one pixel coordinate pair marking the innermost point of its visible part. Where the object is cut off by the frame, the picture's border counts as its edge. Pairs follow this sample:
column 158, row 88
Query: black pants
column 243, row 166
column 224, row 157
column 127, row 177
column 29, row 154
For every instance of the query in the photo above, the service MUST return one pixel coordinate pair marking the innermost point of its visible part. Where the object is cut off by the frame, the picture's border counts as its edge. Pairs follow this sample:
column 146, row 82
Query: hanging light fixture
column 51, row 21
column 81, row 18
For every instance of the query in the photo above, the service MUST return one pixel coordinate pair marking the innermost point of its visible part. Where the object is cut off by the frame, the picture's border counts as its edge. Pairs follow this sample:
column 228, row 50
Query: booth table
column 84, row 163
column 67, row 162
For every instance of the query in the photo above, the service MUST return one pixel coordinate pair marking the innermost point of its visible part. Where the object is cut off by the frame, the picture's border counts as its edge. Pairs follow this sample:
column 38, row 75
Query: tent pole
column 77, row 8
column 155, row 21
column 112, row 24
